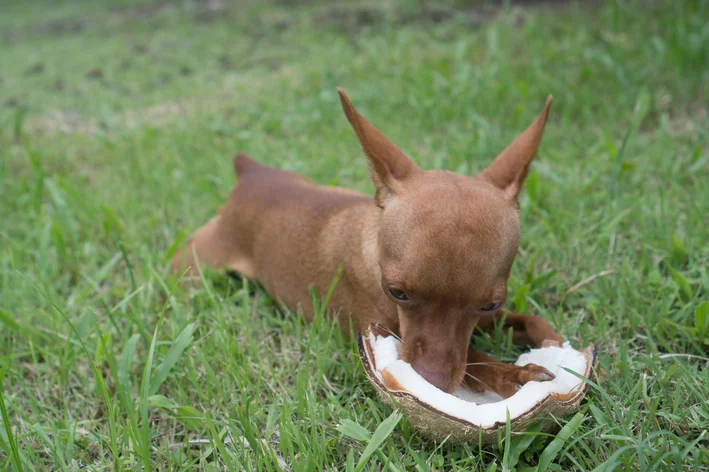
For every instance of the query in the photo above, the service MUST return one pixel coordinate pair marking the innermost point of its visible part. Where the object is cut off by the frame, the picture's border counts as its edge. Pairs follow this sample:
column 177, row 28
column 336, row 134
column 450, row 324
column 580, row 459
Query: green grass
column 117, row 125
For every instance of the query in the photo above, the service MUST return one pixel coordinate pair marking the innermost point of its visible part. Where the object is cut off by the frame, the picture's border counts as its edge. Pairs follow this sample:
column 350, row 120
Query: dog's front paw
column 532, row 373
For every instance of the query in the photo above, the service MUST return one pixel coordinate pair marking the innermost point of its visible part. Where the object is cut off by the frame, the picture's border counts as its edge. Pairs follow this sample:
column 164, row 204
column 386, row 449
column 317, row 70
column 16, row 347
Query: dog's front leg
column 485, row 373
column 526, row 329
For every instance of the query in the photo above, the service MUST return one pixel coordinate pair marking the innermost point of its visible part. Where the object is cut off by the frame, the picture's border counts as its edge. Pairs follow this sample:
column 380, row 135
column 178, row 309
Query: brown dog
column 428, row 257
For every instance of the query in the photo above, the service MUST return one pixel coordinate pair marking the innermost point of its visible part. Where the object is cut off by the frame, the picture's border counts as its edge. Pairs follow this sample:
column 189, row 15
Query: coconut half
column 467, row 416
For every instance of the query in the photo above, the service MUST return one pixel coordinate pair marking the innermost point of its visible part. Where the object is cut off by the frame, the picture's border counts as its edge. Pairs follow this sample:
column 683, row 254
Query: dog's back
column 275, row 221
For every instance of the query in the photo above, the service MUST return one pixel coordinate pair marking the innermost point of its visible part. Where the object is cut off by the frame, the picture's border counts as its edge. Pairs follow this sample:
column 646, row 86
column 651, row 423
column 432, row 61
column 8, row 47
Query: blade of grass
column 217, row 441
column 144, row 444
column 172, row 357
column 382, row 432
column 552, row 450
column 14, row 449
column 353, row 430
column 508, row 442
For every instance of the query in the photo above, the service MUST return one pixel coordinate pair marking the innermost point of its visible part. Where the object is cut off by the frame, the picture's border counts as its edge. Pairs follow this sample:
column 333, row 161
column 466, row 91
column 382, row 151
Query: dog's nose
column 434, row 377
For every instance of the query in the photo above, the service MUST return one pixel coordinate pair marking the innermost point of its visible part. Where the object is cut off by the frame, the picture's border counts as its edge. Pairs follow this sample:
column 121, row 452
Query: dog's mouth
column 447, row 380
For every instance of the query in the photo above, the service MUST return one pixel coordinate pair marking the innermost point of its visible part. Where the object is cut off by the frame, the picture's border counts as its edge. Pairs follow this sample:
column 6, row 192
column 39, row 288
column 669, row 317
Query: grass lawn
column 118, row 121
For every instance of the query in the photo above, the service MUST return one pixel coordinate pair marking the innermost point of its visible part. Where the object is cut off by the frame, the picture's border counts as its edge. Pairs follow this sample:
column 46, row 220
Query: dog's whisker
column 492, row 364
column 478, row 380
column 384, row 328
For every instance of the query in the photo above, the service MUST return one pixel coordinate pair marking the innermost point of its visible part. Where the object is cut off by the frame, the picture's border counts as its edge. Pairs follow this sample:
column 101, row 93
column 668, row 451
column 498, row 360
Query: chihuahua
column 428, row 258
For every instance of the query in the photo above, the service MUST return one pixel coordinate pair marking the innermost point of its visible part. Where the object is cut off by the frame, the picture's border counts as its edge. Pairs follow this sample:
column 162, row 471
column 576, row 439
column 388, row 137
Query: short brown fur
column 445, row 241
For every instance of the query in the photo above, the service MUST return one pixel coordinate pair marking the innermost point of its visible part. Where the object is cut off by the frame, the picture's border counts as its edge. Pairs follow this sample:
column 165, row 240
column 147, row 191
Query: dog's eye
column 491, row 306
column 398, row 294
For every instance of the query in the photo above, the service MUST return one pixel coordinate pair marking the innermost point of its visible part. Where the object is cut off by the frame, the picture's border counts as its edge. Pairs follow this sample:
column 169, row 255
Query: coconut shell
column 436, row 425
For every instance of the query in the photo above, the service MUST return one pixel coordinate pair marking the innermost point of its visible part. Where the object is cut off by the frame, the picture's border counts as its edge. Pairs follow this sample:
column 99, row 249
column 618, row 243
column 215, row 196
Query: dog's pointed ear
column 509, row 170
column 389, row 165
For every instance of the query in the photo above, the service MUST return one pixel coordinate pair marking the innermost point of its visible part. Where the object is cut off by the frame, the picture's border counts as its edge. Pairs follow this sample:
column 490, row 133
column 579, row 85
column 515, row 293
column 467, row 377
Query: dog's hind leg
column 211, row 246
column 223, row 243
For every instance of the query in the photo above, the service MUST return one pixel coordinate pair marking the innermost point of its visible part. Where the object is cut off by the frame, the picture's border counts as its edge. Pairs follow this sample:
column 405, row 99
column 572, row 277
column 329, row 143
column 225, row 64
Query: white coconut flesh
column 484, row 409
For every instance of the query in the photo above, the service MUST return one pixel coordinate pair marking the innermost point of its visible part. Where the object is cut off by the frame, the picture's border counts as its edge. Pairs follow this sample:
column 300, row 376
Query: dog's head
column 446, row 244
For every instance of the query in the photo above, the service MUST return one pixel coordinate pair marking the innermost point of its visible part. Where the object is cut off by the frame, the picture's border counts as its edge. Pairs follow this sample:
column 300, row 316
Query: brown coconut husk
column 436, row 425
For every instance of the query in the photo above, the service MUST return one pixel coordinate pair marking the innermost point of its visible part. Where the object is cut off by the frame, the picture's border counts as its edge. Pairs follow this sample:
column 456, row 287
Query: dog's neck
column 361, row 263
